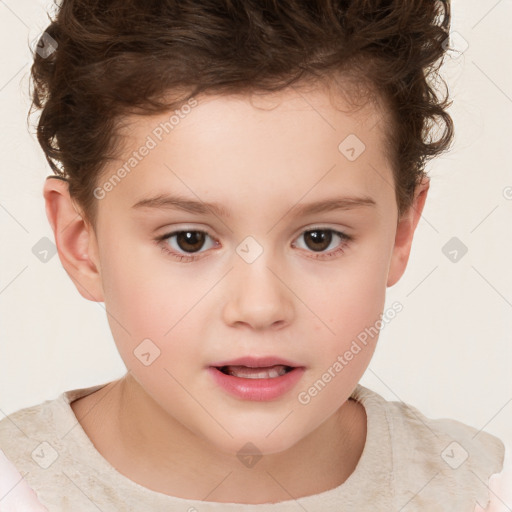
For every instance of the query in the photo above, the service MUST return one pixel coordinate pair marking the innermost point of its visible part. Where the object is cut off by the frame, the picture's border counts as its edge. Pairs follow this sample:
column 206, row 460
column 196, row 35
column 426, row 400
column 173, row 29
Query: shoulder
column 22, row 431
column 38, row 440
column 440, row 460
column 24, row 426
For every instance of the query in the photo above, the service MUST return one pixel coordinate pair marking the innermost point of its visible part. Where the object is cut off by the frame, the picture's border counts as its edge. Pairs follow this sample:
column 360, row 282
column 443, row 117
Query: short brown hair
column 116, row 57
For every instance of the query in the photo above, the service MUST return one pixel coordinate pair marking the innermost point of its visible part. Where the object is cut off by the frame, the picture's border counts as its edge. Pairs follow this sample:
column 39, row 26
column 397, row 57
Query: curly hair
column 112, row 58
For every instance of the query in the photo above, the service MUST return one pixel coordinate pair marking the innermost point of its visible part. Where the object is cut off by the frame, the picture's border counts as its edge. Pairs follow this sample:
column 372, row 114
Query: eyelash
column 345, row 239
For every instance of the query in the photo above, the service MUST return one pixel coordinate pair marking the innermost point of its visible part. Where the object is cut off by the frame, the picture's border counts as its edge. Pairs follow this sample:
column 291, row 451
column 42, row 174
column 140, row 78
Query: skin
column 167, row 426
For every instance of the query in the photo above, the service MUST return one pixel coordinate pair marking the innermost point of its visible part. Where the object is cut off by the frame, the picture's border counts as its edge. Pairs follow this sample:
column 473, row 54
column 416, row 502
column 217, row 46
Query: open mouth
column 246, row 372
column 256, row 380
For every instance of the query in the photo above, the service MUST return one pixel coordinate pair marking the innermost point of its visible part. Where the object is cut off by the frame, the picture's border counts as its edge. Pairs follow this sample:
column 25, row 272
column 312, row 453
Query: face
column 188, row 288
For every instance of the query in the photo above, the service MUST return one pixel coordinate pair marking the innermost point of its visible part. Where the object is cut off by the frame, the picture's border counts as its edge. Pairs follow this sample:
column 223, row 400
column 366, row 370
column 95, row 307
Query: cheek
column 144, row 291
column 350, row 304
column 352, row 309
column 139, row 305
column 156, row 312
column 352, row 297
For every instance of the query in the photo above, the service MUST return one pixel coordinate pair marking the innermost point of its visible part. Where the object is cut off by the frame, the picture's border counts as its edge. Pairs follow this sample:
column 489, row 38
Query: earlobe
column 72, row 238
column 405, row 232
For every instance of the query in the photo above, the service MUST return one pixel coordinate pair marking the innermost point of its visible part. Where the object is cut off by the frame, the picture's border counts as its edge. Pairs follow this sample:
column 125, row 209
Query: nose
column 257, row 297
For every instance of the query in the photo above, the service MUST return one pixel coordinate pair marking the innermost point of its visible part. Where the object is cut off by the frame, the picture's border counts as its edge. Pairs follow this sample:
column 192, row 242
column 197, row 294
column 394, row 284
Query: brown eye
column 318, row 239
column 324, row 242
column 190, row 241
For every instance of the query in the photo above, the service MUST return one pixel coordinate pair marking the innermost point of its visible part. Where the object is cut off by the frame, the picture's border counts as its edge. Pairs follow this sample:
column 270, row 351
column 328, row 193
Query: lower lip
column 257, row 389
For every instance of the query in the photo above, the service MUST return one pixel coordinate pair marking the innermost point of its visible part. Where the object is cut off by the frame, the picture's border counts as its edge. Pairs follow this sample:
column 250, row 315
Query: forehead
column 240, row 149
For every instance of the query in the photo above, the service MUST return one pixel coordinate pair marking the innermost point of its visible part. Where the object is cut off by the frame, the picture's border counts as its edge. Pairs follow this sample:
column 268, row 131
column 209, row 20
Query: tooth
column 256, row 373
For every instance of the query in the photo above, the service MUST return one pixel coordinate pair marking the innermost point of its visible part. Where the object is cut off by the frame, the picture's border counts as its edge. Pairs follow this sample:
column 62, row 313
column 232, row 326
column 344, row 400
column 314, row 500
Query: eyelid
column 321, row 226
column 176, row 231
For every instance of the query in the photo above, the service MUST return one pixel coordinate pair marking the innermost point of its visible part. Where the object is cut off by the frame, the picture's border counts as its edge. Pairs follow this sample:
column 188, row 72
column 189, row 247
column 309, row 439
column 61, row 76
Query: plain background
column 448, row 353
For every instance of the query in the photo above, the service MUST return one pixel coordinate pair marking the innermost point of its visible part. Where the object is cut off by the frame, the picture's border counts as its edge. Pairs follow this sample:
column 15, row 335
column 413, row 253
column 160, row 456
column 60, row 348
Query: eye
column 185, row 244
column 318, row 239
column 188, row 240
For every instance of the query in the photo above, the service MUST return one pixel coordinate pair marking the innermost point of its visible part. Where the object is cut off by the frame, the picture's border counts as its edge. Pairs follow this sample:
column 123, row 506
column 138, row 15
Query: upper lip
column 256, row 362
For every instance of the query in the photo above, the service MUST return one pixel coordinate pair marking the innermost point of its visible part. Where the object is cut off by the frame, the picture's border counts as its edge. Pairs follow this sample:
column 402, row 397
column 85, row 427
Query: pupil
column 322, row 239
column 194, row 238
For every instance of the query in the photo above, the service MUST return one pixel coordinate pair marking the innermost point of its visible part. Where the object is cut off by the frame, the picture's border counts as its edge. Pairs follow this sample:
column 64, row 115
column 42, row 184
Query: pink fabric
column 15, row 494
column 500, row 487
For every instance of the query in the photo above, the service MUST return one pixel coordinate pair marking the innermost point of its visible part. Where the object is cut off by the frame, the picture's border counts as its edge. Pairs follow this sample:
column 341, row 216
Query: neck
column 148, row 446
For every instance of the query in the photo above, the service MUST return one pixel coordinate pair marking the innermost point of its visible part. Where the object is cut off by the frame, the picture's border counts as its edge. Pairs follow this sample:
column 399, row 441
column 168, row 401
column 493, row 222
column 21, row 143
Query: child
column 239, row 182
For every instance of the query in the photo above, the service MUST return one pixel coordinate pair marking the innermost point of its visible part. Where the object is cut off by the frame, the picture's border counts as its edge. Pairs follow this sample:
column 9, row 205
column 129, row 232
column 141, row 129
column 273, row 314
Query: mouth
column 257, row 378
column 256, row 367
column 247, row 372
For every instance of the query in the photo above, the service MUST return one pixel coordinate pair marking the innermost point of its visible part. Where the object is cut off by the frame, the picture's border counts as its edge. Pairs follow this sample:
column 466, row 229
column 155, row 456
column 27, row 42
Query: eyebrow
column 176, row 202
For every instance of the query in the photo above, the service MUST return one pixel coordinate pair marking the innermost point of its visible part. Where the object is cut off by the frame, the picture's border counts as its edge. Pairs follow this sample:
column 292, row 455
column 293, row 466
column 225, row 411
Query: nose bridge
column 256, row 295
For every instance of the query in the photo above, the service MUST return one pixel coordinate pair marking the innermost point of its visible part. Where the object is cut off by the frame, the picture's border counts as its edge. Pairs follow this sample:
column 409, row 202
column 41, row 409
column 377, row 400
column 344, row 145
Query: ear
column 405, row 231
column 75, row 239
